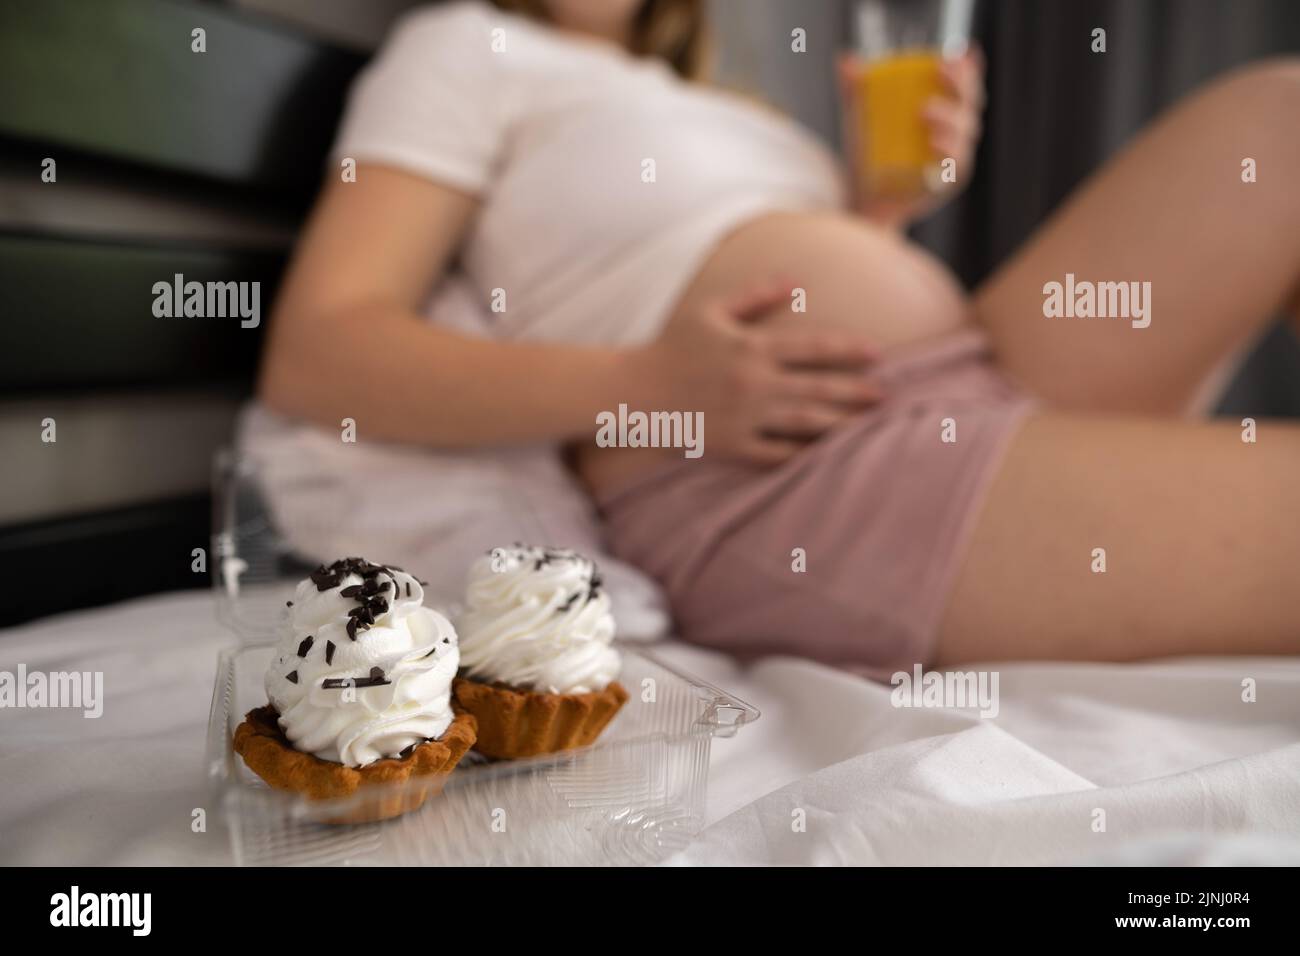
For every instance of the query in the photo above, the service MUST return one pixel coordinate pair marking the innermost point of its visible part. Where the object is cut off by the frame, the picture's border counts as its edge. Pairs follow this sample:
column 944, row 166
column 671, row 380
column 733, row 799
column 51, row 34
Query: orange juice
column 894, row 157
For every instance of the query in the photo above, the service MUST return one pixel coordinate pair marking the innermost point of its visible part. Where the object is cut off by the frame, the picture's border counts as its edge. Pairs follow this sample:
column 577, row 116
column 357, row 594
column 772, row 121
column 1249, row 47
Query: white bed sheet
column 1185, row 770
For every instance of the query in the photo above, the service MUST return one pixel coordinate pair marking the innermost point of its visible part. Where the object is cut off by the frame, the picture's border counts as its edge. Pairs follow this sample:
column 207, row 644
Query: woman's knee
column 1273, row 84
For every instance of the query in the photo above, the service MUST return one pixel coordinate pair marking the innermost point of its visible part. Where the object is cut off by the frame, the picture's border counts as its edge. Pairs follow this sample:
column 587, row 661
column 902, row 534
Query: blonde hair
column 673, row 30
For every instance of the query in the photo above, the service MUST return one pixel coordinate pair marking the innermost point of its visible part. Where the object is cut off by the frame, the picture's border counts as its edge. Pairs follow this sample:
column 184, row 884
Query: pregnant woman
column 896, row 472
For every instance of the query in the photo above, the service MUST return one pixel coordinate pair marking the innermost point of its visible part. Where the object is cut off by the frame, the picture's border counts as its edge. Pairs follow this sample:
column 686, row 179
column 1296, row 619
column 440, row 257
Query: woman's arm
column 346, row 340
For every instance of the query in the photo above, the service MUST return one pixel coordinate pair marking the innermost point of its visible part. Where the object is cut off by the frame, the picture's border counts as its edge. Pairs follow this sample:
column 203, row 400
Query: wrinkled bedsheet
column 1168, row 756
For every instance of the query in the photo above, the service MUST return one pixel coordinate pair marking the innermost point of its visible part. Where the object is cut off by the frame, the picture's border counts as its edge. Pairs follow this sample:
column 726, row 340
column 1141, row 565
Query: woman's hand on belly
column 763, row 392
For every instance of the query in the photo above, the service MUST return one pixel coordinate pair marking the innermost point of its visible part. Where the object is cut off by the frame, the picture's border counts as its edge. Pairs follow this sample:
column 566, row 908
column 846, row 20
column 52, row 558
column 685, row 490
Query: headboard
column 166, row 161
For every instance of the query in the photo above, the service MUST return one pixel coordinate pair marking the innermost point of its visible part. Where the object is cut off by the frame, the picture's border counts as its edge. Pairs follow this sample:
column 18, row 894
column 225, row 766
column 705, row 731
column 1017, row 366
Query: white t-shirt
column 557, row 136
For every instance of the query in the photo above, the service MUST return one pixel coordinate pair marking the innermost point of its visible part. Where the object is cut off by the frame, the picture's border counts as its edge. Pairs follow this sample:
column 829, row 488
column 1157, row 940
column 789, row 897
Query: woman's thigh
column 1222, row 256
column 1197, row 530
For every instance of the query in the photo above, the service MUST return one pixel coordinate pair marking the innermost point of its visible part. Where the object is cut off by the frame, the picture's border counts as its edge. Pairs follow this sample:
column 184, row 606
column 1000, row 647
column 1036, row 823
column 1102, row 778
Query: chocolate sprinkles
column 291, row 677
column 369, row 594
column 594, row 580
column 551, row 554
column 378, row 591
column 376, row 679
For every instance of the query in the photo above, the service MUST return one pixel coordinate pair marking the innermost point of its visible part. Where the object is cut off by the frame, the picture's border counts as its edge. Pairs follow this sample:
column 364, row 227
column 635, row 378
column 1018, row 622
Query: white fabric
column 553, row 134
column 1186, row 771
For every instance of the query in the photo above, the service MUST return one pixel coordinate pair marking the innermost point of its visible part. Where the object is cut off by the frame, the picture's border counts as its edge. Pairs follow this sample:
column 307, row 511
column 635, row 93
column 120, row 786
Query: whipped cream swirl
column 538, row 618
column 362, row 670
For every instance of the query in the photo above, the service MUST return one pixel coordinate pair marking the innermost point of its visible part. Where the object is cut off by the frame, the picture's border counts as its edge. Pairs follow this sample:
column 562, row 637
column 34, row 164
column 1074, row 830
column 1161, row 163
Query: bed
column 1185, row 770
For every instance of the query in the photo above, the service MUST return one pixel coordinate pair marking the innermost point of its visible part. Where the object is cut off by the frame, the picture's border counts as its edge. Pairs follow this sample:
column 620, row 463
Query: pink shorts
column 880, row 511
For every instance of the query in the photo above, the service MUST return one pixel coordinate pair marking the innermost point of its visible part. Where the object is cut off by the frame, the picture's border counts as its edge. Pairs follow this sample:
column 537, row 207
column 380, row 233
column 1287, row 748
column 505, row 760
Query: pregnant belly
column 854, row 276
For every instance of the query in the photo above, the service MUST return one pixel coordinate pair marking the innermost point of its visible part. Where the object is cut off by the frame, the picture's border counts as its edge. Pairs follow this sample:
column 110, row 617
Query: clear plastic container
column 635, row 797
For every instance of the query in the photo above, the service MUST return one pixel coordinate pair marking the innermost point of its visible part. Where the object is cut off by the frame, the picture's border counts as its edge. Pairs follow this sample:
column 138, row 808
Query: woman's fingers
column 954, row 120
column 805, row 420
column 817, row 350
column 830, row 388
column 942, row 114
column 787, row 429
column 963, row 77
column 754, row 301
column 954, row 129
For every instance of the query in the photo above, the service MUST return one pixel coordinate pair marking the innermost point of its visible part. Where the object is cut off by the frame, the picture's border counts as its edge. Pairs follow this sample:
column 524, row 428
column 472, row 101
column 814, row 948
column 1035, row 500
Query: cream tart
column 537, row 666
column 360, row 693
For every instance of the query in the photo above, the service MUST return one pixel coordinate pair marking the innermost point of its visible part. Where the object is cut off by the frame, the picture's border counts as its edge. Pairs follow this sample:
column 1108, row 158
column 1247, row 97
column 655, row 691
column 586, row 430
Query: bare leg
column 1202, row 548
column 1222, row 255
